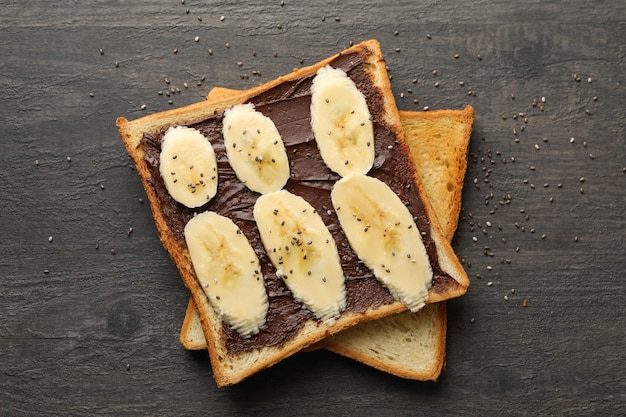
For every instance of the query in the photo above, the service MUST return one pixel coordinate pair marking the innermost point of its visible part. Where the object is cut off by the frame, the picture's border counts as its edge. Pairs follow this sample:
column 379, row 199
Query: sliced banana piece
column 384, row 236
column 341, row 123
column 303, row 252
column 228, row 271
column 255, row 150
column 188, row 166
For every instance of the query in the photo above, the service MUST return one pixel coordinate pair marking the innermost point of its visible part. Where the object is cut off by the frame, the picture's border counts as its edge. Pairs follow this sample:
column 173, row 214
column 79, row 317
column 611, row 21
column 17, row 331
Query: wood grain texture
column 90, row 319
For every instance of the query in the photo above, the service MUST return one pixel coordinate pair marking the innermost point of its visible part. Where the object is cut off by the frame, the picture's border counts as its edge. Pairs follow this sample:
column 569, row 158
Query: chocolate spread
column 288, row 105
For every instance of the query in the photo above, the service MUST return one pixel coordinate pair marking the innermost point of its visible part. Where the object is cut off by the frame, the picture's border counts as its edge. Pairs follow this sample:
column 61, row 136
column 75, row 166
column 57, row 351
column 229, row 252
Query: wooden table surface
column 91, row 305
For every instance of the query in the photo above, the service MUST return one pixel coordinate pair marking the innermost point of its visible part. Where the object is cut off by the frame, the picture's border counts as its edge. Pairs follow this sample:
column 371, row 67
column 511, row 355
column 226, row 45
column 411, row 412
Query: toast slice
column 409, row 345
column 289, row 327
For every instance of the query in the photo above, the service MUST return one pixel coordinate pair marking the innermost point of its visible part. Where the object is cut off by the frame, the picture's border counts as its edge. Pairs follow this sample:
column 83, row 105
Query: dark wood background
column 90, row 311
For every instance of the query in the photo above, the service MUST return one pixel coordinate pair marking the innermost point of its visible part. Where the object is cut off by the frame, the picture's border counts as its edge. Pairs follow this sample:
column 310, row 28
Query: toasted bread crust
column 438, row 142
column 231, row 368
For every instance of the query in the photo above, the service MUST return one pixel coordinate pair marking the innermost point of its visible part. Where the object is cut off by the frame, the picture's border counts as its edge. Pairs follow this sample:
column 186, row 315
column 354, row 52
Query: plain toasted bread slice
column 409, row 345
column 234, row 358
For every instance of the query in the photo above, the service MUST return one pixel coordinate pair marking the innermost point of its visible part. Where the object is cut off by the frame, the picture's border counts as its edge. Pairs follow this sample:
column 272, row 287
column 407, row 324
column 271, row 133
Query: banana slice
column 384, row 236
column 188, row 166
column 341, row 123
column 255, row 149
column 228, row 271
column 303, row 252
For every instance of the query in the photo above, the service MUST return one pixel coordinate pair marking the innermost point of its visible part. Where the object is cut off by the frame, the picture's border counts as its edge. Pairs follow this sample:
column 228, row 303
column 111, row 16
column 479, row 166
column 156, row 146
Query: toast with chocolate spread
column 409, row 345
column 238, row 344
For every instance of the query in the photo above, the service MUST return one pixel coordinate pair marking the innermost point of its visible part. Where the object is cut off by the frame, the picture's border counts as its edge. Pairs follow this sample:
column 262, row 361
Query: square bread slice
column 290, row 327
column 409, row 345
